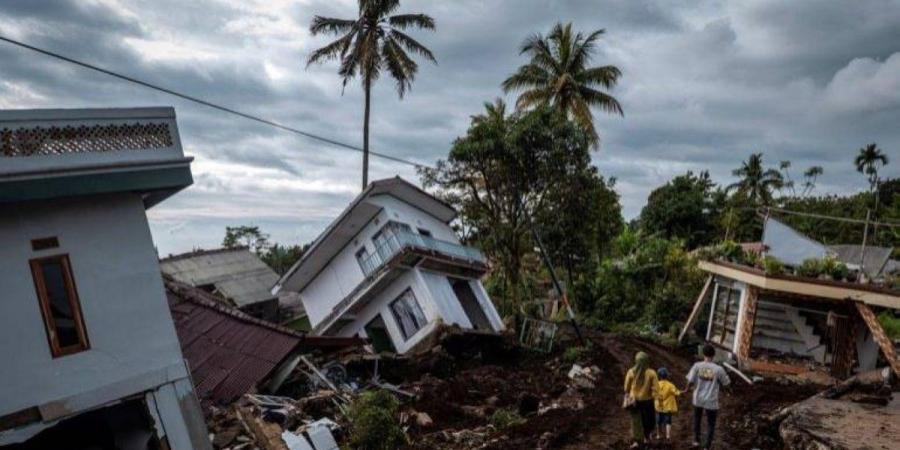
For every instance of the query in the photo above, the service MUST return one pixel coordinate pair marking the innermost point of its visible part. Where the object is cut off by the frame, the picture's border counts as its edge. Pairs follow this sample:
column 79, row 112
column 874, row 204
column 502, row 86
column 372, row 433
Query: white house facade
column 390, row 268
column 91, row 357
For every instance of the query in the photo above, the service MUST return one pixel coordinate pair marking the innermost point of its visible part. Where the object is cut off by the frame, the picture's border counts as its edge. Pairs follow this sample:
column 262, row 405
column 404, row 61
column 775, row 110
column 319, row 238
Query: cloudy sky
column 704, row 84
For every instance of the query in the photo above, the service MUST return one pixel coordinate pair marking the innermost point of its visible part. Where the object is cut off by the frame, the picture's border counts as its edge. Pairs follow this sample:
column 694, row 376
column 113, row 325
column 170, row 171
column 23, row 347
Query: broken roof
column 354, row 218
column 789, row 245
column 237, row 274
column 875, row 257
column 229, row 352
column 803, row 286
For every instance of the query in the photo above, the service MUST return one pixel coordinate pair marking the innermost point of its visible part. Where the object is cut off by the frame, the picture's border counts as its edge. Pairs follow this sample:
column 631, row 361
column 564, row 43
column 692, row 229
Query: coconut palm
column 810, row 176
column 373, row 42
column 559, row 75
column 867, row 162
column 756, row 182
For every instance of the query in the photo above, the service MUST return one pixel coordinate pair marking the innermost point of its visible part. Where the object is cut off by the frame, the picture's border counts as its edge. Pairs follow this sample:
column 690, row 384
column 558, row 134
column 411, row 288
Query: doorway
column 378, row 334
column 469, row 302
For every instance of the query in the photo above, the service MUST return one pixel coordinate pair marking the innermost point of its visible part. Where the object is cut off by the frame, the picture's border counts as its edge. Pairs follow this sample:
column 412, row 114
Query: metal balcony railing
column 397, row 240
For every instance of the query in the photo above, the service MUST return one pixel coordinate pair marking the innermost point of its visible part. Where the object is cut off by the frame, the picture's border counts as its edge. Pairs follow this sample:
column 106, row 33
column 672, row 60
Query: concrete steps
column 782, row 328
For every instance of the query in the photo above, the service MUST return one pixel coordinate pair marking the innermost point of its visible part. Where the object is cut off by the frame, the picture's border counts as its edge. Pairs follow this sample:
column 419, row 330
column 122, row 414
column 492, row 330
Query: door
column 469, row 302
column 377, row 332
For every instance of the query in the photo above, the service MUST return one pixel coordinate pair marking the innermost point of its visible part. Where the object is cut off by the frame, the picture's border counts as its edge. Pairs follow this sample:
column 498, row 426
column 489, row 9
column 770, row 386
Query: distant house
column 789, row 323
column 391, row 268
column 235, row 275
column 90, row 355
column 229, row 352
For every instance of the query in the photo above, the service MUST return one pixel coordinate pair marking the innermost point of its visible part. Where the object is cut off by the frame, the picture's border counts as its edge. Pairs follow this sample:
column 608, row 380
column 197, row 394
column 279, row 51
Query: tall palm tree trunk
column 365, row 169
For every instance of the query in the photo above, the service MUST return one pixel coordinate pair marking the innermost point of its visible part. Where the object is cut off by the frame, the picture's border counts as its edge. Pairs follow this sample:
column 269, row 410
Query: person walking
column 641, row 388
column 666, row 404
column 706, row 377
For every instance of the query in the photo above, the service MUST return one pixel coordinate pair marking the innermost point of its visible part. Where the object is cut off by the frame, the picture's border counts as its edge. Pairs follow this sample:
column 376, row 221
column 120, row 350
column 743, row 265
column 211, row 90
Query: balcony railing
column 398, row 240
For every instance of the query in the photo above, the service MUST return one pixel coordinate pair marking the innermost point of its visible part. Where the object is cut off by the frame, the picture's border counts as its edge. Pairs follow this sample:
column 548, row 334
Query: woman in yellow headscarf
column 642, row 385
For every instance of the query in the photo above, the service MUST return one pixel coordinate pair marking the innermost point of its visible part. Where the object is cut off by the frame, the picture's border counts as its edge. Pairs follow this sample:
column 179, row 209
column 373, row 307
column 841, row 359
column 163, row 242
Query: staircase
column 784, row 329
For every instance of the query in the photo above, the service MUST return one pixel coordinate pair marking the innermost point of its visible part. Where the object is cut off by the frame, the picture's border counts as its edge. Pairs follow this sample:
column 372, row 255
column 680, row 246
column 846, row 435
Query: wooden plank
column 749, row 319
column 887, row 347
column 698, row 305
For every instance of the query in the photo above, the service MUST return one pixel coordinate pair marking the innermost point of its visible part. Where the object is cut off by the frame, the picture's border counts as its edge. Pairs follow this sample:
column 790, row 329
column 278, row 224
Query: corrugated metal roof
column 875, row 257
column 237, row 274
column 229, row 352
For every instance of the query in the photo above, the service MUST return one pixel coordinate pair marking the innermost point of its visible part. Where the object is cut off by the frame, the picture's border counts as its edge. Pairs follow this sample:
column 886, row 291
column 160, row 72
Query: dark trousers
column 646, row 410
column 710, row 425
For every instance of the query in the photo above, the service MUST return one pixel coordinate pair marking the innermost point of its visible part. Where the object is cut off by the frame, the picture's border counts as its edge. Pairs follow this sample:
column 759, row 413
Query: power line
column 336, row 143
column 835, row 218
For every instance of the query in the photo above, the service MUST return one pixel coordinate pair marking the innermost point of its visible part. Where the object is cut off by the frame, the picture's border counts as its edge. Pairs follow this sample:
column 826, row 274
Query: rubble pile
column 478, row 391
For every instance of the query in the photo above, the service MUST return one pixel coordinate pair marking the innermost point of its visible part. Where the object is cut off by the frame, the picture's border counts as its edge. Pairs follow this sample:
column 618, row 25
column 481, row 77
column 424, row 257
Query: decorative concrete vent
column 40, row 141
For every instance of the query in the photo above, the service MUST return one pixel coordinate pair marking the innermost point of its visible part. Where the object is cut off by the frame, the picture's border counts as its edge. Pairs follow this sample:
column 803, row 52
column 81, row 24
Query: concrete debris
column 583, row 377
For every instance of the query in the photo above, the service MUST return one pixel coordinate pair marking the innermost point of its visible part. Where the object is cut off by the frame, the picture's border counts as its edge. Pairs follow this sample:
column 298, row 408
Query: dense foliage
column 279, row 257
column 374, row 422
column 535, row 165
column 687, row 208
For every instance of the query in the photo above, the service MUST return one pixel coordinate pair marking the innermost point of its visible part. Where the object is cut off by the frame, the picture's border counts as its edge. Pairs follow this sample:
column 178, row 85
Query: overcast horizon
column 704, row 84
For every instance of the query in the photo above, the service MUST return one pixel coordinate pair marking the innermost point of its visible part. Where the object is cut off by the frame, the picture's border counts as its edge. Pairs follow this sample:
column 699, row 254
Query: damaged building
column 787, row 323
column 391, row 268
column 91, row 358
column 237, row 277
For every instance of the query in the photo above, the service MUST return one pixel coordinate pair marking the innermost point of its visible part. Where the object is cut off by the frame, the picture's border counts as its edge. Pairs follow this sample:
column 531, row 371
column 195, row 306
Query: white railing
column 397, row 240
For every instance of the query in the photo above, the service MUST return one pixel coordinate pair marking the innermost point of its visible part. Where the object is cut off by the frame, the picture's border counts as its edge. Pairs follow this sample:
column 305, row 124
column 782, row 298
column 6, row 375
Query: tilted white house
column 90, row 355
column 391, row 268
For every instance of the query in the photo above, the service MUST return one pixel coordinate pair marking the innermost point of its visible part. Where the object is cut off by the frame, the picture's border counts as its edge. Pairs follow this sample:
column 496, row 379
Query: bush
column 890, row 323
column 772, row 266
column 810, row 268
column 505, row 417
column 373, row 422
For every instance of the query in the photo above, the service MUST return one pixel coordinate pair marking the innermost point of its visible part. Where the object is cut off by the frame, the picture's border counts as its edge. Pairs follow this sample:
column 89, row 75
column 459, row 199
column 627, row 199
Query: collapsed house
column 231, row 353
column 786, row 323
column 91, row 358
column 235, row 275
column 391, row 268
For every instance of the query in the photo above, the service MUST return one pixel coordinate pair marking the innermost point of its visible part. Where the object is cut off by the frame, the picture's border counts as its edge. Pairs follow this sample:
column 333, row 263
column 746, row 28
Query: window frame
column 397, row 319
column 37, row 276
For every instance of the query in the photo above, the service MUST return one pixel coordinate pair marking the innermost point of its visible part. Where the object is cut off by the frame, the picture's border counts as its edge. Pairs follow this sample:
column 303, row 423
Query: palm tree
column 811, row 175
column 756, row 182
column 370, row 43
column 558, row 75
column 494, row 113
column 867, row 162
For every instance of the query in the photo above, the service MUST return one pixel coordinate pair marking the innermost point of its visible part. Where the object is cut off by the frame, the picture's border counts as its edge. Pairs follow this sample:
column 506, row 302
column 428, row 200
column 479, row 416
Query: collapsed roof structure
column 781, row 322
column 229, row 352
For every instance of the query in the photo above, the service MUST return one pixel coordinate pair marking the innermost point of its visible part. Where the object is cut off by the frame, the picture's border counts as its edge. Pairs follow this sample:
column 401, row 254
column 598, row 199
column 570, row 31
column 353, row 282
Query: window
column 725, row 315
column 424, row 232
column 365, row 263
column 59, row 305
column 408, row 314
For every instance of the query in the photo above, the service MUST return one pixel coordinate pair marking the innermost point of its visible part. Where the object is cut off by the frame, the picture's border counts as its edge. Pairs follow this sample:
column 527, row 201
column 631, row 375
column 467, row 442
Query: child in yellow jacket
column 666, row 402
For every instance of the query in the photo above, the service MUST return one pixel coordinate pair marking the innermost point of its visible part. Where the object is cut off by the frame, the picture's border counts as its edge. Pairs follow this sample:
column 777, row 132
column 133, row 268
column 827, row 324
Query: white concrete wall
column 381, row 305
column 343, row 272
column 117, row 277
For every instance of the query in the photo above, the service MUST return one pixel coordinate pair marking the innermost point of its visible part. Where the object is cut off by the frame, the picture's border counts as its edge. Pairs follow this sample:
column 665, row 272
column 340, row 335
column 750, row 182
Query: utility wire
column 336, row 143
column 839, row 219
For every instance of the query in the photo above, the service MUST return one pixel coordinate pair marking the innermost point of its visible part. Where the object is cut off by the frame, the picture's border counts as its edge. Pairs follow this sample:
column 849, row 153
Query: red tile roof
column 229, row 352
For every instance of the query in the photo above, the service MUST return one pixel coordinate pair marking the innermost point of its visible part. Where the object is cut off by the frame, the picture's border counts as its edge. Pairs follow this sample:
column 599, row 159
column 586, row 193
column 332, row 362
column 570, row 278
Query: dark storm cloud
column 705, row 84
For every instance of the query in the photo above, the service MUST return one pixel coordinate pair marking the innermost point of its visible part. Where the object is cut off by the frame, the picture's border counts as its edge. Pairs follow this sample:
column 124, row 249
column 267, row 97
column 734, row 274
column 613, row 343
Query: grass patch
column 505, row 417
column 891, row 324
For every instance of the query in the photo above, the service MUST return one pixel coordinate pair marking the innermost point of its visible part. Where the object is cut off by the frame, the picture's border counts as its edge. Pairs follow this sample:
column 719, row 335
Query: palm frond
column 333, row 50
column 602, row 100
column 404, row 21
column 401, row 67
column 606, row 76
column 412, row 45
column 331, row 25
column 527, row 76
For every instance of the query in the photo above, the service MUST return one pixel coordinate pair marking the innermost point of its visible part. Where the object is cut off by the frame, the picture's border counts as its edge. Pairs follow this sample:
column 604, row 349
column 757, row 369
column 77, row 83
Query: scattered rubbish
column 583, row 377
column 538, row 334
column 295, row 441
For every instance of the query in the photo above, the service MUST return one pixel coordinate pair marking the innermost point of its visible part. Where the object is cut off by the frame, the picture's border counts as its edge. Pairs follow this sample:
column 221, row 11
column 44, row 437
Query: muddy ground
column 461, row 383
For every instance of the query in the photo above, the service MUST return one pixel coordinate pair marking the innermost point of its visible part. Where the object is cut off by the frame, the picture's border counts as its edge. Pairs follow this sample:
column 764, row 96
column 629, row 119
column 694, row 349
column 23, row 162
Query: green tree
column 559, row 75
column 535, row 163
column 809, row 179
column 755, row 182
column 684, row 208
column 374, row 41
column 281, row 257
column 246, row 236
